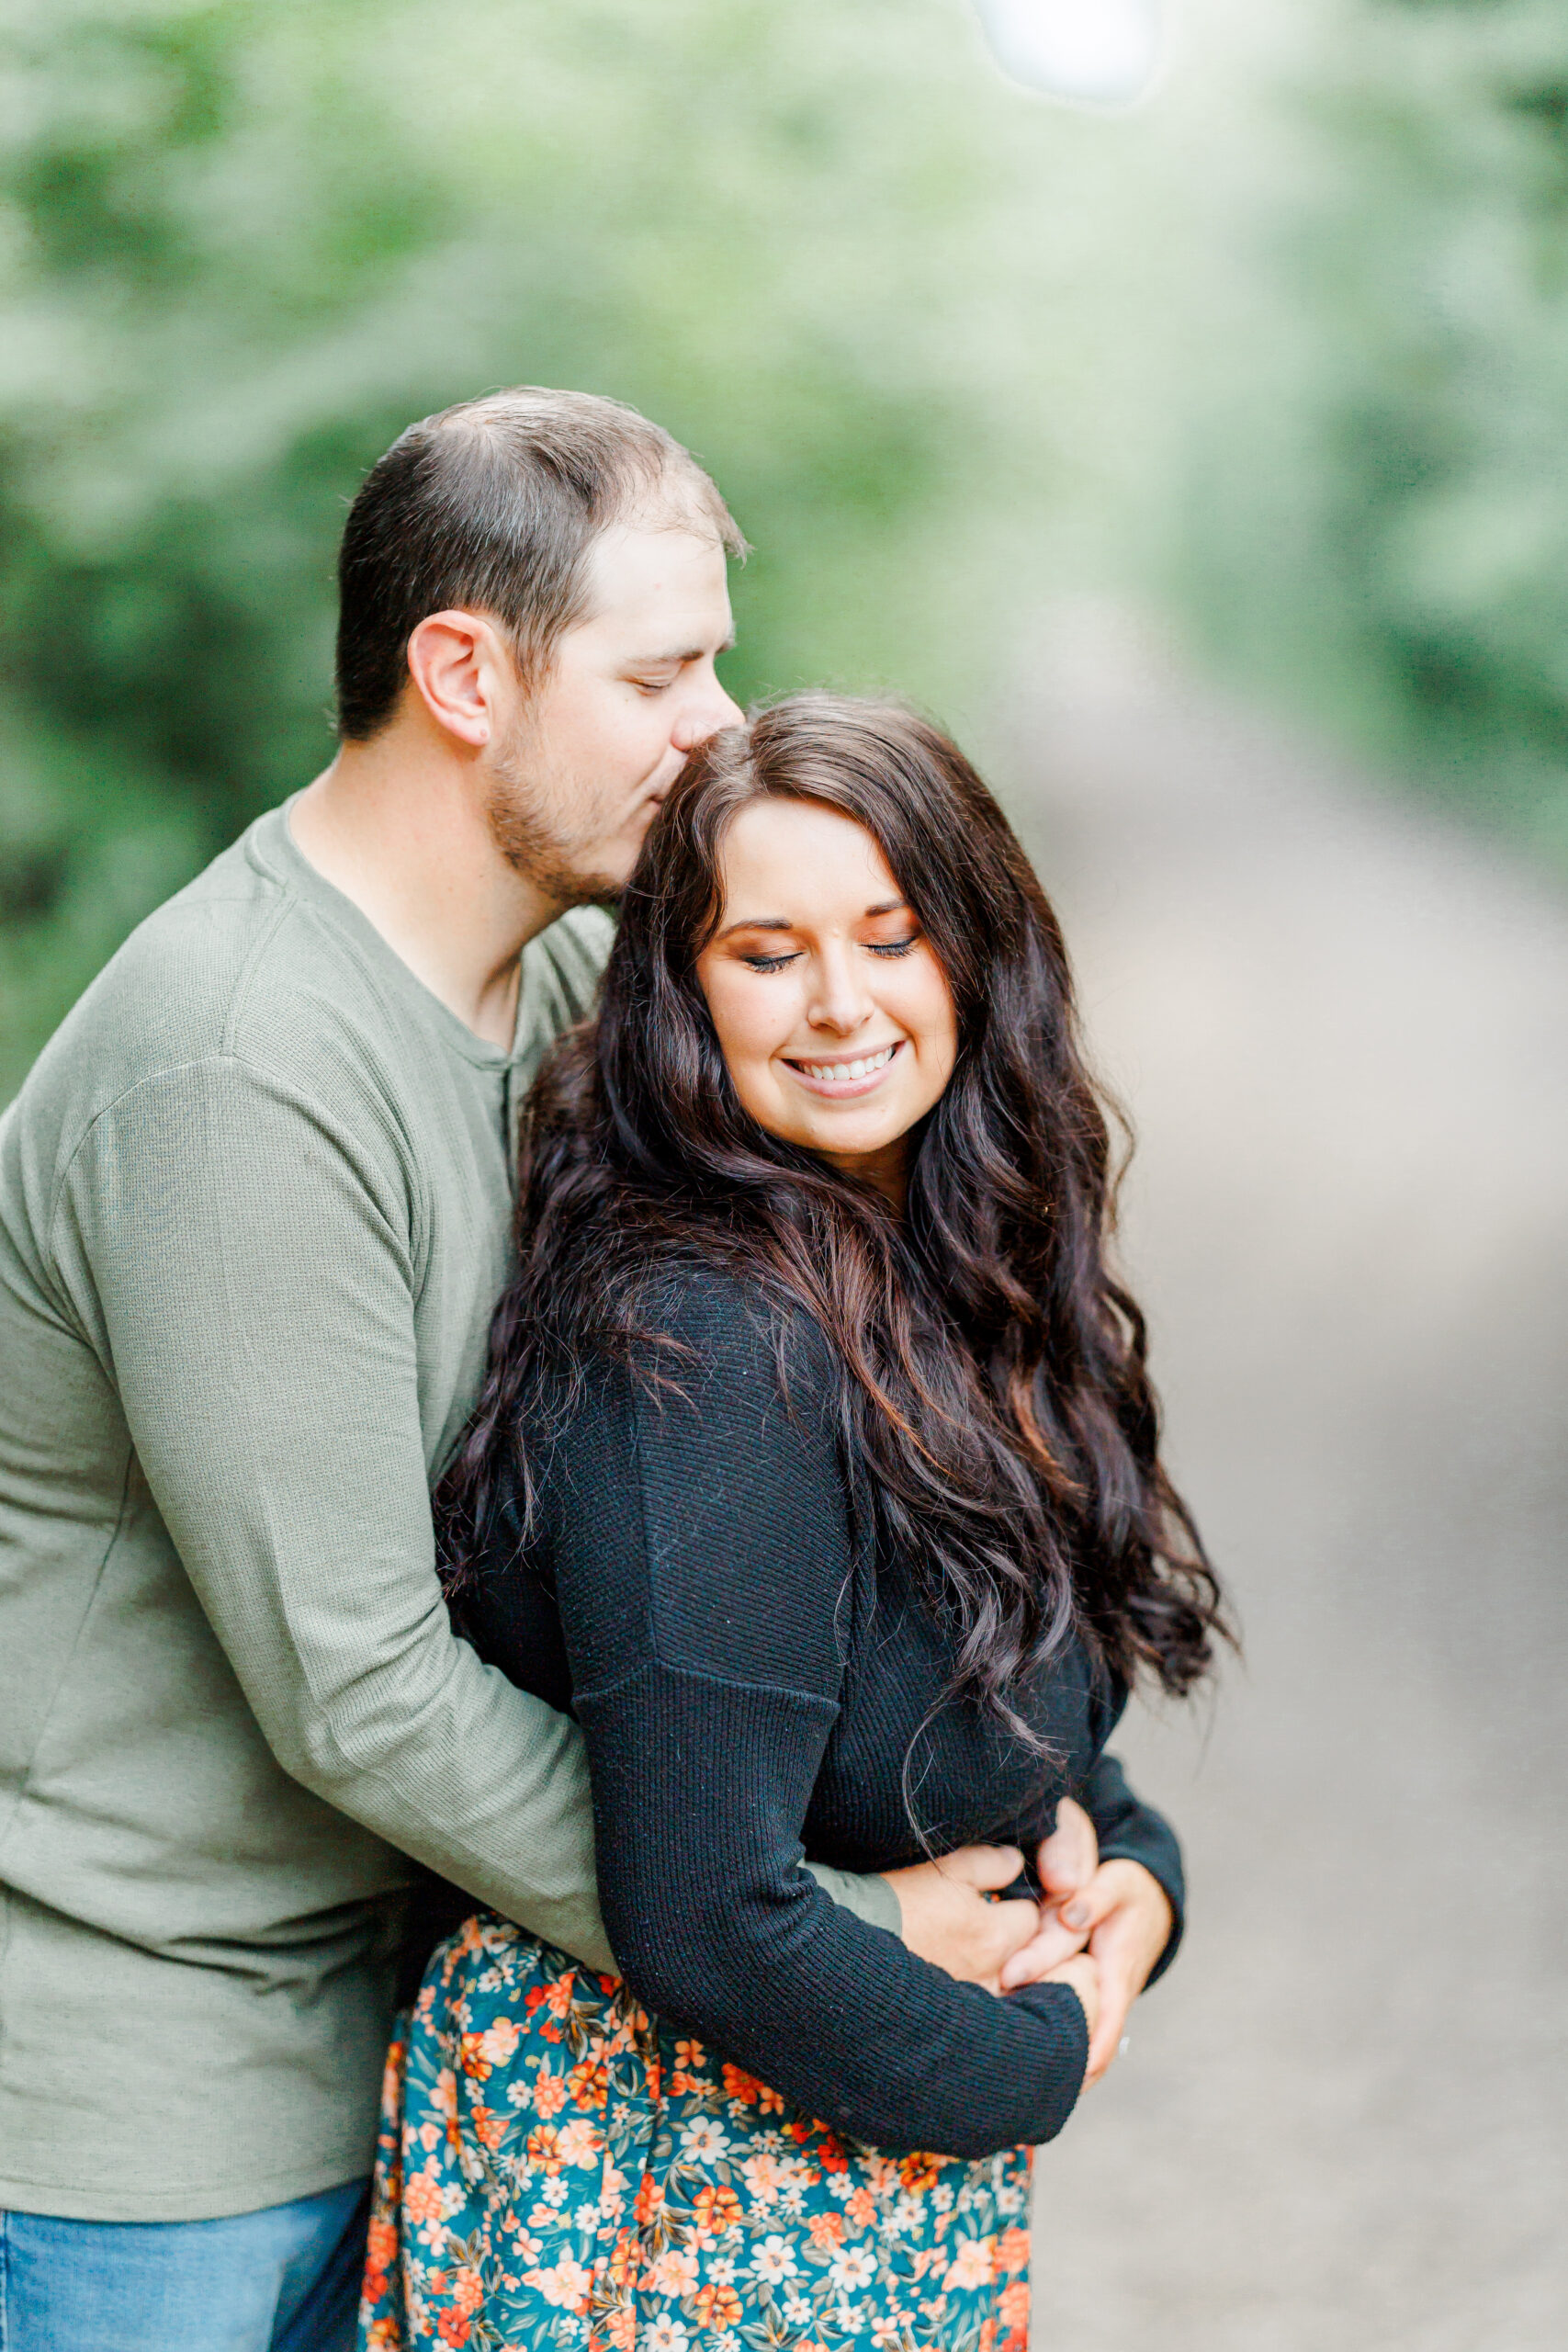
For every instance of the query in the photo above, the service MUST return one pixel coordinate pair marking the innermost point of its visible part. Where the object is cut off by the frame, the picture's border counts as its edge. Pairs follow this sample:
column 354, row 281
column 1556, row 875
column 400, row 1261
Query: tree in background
column 1376, row 492
column 1282, row 353
column 249, row 244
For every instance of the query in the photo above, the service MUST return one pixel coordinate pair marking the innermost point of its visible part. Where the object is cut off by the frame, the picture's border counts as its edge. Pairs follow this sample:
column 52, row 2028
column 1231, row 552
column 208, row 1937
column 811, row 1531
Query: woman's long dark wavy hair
column 995, row 1393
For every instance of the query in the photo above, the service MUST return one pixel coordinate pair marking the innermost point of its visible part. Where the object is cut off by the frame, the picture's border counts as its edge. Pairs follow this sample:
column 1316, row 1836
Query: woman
column 816, row 1471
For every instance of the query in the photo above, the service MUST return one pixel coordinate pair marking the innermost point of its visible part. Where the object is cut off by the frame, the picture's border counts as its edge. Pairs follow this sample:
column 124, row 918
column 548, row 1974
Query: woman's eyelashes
column 874, row 946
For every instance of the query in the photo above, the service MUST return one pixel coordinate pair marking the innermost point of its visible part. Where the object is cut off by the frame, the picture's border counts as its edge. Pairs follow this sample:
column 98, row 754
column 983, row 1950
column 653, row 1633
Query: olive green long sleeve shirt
column 254, row 1203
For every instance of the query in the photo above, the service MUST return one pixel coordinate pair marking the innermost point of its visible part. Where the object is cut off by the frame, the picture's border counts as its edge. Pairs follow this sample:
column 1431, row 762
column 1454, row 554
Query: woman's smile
column 831, row 1007
column 837, row 1081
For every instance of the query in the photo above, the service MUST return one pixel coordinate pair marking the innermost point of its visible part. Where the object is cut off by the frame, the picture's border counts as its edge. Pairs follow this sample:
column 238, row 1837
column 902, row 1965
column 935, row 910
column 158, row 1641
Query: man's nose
column 705, row 715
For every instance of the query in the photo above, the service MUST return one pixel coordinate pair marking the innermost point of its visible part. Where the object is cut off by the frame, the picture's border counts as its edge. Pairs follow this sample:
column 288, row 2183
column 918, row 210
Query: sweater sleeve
column 240, row 1261
column 703, row 1564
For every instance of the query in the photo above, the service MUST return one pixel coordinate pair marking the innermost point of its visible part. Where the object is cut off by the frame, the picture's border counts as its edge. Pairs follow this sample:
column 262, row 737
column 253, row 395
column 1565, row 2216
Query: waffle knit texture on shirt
column 254, row 1211
column 751, row 1671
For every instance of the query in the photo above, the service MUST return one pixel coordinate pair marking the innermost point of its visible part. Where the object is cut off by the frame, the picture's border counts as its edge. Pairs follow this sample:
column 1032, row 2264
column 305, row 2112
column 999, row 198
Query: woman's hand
column 1127, row 1916
column 1084, row 1977
column 1064, row 1863
column 949, row 1920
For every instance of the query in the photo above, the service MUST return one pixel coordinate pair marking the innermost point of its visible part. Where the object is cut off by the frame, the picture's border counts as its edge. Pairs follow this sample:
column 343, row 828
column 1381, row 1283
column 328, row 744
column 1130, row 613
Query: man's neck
column 398, row 826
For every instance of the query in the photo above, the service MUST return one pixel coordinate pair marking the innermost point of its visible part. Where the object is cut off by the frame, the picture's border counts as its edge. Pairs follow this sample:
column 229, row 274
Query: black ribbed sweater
column 749, row 1682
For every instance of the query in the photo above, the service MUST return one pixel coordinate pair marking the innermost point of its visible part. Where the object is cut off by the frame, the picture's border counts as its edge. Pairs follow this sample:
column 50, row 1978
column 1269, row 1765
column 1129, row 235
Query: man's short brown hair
column 492, row 506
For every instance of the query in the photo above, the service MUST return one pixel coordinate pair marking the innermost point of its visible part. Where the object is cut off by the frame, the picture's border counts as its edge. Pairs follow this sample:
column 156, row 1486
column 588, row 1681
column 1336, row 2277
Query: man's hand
column 1127, row 1916
column 948, row 1921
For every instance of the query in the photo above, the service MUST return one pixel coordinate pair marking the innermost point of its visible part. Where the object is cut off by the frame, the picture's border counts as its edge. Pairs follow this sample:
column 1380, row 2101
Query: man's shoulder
column 214, row 972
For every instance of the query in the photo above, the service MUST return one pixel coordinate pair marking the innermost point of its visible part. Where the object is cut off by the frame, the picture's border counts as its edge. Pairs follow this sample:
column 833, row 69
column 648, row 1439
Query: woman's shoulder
column 734, row 1318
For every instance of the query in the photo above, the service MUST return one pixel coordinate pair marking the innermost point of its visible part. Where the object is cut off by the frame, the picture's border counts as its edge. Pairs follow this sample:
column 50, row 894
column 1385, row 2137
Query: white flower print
column 706, row 2142
column 763, row 2228
column 664, row 2334
column 775, row 2259
column 856, row 2267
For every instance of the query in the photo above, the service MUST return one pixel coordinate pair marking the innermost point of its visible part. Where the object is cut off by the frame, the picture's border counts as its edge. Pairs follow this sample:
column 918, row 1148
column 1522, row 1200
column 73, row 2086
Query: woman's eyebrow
column 778, row 923
column 757, row 923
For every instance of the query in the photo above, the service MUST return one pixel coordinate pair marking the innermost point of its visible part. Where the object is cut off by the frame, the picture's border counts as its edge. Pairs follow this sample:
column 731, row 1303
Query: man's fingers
column 1066, row 1860
column 989, row 1867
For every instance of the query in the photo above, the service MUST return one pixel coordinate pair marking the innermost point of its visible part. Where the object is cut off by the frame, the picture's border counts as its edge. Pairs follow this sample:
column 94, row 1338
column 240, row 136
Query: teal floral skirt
column 555, row 2169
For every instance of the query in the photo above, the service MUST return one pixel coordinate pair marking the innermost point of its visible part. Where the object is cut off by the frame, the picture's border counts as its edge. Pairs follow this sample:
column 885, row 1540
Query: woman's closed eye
column 874, row 946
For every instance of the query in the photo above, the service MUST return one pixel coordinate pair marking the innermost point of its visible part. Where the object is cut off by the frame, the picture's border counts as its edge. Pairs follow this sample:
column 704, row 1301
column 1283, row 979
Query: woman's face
column 832, row 1012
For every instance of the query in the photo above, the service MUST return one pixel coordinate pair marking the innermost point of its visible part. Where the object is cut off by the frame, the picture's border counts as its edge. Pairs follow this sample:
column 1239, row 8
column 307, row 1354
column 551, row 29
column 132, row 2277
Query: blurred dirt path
column 1342, row 1028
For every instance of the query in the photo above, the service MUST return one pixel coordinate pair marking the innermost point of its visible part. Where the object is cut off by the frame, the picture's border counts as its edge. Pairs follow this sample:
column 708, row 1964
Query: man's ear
column 459, row 666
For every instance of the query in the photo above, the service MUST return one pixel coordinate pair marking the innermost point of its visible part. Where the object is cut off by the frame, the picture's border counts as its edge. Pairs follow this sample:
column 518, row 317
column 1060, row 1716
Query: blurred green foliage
column 1380, row 502
column 1284, row 351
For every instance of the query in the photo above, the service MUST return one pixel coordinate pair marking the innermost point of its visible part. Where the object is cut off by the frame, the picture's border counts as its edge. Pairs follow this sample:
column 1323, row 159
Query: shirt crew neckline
column 270, row 846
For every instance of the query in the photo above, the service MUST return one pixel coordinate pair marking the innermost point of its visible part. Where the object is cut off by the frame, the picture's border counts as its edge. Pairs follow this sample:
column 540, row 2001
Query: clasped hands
column 1100, row 1926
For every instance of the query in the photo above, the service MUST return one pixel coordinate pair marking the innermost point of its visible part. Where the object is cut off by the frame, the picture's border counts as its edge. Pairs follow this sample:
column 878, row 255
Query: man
column 254, row 1212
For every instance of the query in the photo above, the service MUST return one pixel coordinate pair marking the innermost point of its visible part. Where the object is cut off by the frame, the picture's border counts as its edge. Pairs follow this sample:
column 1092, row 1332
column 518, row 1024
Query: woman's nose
column 839, row 1002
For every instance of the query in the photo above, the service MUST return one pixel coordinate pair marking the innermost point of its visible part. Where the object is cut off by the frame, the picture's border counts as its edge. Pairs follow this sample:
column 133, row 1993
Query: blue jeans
column 285, row 2279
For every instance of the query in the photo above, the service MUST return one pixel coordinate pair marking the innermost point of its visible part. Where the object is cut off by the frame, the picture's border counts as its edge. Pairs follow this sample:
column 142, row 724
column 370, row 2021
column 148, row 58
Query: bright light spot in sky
column 1100, row 52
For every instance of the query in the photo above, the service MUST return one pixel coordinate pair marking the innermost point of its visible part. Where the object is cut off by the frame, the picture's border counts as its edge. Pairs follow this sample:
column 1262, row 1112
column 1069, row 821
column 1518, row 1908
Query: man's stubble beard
column 531, row 845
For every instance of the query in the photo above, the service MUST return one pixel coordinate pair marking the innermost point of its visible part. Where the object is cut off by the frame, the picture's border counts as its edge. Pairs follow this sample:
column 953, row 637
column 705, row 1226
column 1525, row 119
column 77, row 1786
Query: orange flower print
column 718, row 2306
column 751, row 2218
column 763, row 2177
column 589, row 2083
column 565, row 2284
column 673, row 2272
column 550, row 2092
column 649, row 2198
column 716, row 2210
column 972, row 2264
column 1012, row 2250
column 424, row 2197
column 578, row 2142
column 467, row 2289
column 477, row 2066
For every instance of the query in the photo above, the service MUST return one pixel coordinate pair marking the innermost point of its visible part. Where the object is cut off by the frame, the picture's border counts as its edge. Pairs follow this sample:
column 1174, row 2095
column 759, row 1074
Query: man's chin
column 595, row 890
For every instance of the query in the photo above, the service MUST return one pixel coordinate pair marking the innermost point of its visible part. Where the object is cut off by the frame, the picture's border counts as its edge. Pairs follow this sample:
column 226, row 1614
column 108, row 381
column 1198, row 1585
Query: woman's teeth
column 849, row 1069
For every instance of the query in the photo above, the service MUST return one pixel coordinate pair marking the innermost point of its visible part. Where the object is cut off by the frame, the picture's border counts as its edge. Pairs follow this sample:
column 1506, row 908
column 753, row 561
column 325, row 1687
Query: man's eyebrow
column 678, row 653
